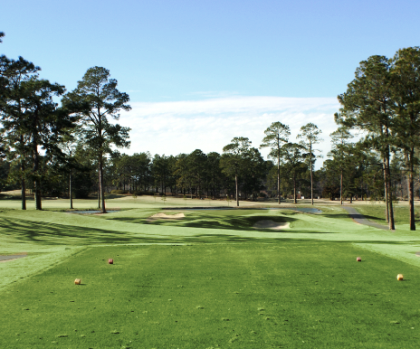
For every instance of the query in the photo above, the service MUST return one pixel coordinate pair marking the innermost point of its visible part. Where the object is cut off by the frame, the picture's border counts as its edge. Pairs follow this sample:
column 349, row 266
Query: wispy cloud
column 210, row 124
column 214, row 94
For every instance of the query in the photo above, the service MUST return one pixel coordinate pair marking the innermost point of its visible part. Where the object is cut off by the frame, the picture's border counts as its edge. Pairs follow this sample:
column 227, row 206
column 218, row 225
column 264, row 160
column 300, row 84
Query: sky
column 202, row 72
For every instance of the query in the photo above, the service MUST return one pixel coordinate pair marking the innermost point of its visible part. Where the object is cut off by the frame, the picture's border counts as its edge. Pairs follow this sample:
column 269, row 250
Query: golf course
column 261, row 276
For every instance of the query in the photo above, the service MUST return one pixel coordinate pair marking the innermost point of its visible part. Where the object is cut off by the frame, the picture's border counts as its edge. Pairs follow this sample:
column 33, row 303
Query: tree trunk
column 22, row 163
column 37, row 190
column 312, row 178
column 411, row 197
column 278, row 178
column 35, row 169
column 101, row 184
column 236, row 186
column 294, row 191
column 99, row 195
column 312, row 187
column 390, row 209
column 70, row 192
column 386, row 189
column 341, row 187
column 23, row 186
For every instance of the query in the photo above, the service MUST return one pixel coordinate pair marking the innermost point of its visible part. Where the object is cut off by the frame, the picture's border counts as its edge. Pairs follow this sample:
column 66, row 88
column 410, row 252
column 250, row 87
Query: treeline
column 68, row 148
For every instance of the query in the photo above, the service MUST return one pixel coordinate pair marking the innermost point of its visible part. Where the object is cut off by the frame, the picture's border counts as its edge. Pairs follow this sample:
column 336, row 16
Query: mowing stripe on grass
column 22, row 268
column 289, row 294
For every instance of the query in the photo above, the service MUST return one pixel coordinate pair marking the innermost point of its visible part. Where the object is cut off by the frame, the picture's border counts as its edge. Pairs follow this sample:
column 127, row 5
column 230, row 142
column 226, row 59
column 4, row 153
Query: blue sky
column 163, row 52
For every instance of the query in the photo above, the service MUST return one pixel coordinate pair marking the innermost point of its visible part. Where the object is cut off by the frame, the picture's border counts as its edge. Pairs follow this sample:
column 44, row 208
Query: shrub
column 118, row 192
column 143, row 192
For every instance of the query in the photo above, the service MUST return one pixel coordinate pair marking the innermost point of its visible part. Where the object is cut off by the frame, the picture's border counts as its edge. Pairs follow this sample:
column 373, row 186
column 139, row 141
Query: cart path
column 11, row 257
column 359, row 218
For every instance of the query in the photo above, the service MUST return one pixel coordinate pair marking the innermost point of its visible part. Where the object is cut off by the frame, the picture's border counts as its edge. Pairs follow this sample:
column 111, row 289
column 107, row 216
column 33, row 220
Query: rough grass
column 376, row 212
column 291, row 294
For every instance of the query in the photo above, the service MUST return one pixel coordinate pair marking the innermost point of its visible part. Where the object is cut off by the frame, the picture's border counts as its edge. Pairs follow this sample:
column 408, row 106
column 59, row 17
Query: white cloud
column 209, row 124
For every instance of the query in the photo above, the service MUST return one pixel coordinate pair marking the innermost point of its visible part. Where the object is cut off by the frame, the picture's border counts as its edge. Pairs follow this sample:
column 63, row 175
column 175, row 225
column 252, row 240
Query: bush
column 143, row 192
column 118, row 192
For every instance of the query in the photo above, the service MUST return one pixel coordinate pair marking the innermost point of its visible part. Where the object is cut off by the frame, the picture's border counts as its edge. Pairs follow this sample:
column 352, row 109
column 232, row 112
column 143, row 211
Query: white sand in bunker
column 165, row 216
column 269, row 224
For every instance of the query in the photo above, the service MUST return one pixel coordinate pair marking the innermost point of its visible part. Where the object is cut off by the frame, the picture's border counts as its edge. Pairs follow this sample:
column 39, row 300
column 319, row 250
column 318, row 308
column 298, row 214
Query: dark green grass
column 287, row 295
column 377, row 213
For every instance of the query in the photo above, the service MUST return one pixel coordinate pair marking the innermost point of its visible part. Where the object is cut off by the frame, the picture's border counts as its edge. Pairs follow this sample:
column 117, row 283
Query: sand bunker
column 157, row 216
column 269, row 224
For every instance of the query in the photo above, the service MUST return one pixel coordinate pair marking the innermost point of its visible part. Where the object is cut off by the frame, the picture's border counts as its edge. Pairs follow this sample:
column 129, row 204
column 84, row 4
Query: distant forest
column 68, row 149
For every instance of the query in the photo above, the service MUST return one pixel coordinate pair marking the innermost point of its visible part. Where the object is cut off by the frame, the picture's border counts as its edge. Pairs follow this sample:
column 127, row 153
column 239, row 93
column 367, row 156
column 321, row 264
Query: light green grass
column 227, row 270
column 290, row 294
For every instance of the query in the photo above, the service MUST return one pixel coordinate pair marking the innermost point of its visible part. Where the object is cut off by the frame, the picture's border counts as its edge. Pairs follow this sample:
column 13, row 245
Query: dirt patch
column 269, row 224
column 159, row 216
column 12, row 257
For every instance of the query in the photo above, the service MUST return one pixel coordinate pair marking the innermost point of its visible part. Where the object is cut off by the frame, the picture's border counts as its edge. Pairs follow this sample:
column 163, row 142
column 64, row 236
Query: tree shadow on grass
column 347, row 215
column 243, row 223
column 57, row 234
column 213, row 238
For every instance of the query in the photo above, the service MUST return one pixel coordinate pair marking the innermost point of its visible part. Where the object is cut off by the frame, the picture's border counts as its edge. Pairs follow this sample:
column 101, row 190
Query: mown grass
column 292, row 294
column 230, row 286
column 123, row 202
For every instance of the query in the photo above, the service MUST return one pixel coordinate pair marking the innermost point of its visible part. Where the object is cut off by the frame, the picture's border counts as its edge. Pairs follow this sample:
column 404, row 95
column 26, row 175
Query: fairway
column 206, row 279
column 221, row 180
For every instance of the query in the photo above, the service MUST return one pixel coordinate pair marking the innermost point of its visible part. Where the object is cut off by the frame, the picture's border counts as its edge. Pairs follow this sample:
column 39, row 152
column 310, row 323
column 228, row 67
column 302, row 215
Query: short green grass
column 292, row 294
column 206, row 281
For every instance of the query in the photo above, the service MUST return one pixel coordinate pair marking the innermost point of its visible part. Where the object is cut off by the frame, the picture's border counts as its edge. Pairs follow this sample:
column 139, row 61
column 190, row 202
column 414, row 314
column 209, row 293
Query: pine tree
column 275, row 136
column 97, row 98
